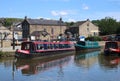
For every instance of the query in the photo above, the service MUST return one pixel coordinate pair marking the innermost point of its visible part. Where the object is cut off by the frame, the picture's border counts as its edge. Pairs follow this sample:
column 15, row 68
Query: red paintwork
column 112, row 47
column 63, row 42
column 34, row 43
column 115, row 61
column 115, row 50
column 23, row 51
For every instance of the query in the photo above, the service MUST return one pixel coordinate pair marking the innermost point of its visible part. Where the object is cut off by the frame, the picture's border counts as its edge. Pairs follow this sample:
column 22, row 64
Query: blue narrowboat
column 86, row 46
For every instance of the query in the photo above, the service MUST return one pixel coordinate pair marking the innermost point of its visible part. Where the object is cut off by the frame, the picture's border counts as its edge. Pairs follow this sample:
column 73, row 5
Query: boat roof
column 42, row 42
column 118, row 42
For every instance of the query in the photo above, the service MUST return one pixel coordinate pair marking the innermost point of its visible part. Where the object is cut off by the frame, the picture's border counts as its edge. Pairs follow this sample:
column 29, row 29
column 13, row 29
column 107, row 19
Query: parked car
column 117, row 37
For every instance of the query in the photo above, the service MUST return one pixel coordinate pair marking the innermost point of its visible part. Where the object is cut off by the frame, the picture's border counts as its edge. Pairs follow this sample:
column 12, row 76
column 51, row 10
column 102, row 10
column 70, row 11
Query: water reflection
column 109, row 62
column 86, row 60
column 35, row 66
column 91, row 66
column 6, row 62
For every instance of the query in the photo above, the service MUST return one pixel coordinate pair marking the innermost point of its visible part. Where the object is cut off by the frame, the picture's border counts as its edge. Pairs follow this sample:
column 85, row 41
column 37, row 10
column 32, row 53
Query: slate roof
column 77, row 24
column 44, row 22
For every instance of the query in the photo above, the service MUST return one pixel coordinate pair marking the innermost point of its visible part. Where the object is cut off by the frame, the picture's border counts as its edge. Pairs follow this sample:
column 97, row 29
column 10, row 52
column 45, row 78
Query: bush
column 6, row 54
column 93, row 38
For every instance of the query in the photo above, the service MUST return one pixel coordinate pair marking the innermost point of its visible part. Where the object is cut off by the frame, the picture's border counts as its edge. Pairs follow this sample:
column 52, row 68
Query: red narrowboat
column 30, row 49
column 112, row 47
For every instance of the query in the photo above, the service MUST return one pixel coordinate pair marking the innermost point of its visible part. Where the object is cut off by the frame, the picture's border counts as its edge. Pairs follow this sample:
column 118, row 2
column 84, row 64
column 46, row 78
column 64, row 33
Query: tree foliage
column 107, row 26
column 118, row 29
column 10, row 21
column 69, row 23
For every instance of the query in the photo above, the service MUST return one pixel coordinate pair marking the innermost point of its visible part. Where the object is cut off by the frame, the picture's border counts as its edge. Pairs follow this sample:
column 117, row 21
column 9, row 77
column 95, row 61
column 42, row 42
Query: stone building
column 5, row 34
column 84, row 28
column 42, row 29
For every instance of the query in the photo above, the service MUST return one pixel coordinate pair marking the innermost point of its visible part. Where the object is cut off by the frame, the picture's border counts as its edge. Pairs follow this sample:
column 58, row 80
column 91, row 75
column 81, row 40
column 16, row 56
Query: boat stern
column 22, row 53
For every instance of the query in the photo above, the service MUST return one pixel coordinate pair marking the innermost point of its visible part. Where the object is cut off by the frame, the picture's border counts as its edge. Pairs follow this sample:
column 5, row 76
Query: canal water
column 91, row 66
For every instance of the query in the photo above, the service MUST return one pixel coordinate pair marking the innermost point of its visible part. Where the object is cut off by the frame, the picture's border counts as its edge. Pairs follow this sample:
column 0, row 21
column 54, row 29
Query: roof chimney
column 88, row 20
column 25, row 17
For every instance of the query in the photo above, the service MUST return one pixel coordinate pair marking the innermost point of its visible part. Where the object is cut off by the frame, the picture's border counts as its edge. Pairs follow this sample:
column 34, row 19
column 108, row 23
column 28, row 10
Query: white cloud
column 85, row 7
column 71, row 20
column 59, row 13
column 64, row 12
column 54, row 13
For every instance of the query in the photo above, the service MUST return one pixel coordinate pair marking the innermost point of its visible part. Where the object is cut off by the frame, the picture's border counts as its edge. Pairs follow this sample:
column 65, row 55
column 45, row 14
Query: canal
column 91, row 66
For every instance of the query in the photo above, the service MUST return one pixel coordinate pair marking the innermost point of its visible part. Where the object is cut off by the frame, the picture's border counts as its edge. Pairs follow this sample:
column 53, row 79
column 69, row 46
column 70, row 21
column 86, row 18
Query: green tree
column 118, row 29
column 69, row 23
column 107, row 25
column 9, row 21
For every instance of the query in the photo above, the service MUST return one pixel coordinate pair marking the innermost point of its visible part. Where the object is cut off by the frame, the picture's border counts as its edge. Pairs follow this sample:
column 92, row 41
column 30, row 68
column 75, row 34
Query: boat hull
column 109, row 51
column 112, row 47
column 87, row 46
column 88, row 49
column 43, row 54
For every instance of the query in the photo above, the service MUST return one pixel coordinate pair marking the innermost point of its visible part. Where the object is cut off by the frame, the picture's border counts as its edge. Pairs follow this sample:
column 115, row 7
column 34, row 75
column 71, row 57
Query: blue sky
column 69, row 10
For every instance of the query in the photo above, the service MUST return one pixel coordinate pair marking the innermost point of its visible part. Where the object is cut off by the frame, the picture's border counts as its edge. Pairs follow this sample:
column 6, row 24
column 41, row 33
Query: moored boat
column 30, row 49
column 112, row 47
column 87, row 46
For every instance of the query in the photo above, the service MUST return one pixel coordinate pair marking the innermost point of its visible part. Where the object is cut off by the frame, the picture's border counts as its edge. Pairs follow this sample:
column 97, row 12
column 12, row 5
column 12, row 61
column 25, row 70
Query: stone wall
column 5, row 43
column 52, row 30
column 88, row 29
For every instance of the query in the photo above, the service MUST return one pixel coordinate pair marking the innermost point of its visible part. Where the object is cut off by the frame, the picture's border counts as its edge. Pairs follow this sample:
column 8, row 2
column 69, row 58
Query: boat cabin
column 32, row 46
column 88, row 43
column 112, row 44
column 112, row 47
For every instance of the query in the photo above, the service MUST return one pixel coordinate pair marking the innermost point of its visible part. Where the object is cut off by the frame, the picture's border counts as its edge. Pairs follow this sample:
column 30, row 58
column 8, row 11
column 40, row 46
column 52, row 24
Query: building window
column 44, row 29
column 88, row 29
column 95, row 34
column 87, row 24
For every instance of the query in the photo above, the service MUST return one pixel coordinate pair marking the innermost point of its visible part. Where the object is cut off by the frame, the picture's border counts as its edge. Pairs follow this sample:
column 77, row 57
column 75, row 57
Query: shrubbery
column 94, row 38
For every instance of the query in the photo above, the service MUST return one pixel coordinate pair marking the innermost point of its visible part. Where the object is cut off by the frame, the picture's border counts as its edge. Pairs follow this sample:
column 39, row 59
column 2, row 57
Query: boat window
column 60, row 45
column 45, row 46
column 51, row 46
column 81, row 43
column 31, row 47
column 56, row 46
column 63, row 46
column 27, row 46
column 111, row 45
column 67, row 46
column 48, row 46
column 39, row 46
